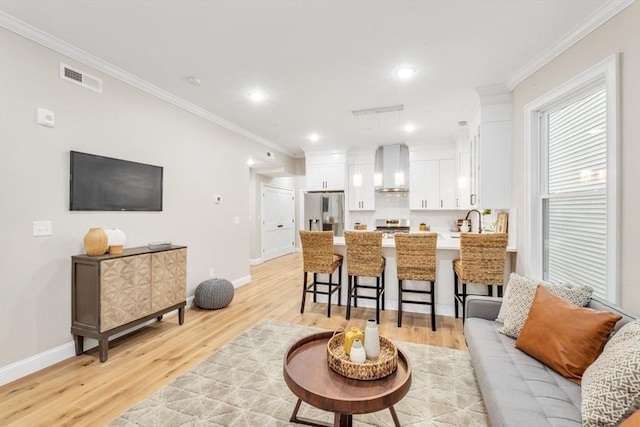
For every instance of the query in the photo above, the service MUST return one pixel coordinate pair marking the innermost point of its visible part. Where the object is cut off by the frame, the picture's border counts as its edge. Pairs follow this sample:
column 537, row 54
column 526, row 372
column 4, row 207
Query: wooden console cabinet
column 111, row 293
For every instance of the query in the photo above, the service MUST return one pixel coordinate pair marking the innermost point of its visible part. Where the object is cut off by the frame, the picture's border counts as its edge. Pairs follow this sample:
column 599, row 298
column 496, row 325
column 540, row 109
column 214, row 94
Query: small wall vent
column 270, row 155
column 81, row 78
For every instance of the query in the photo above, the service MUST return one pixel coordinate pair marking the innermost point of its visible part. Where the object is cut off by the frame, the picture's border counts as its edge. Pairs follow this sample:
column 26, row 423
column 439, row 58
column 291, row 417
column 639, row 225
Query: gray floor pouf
column 214, row 293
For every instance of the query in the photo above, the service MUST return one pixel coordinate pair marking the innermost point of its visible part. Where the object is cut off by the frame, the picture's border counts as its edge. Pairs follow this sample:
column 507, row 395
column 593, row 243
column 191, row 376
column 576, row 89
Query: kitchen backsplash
column 396, row 206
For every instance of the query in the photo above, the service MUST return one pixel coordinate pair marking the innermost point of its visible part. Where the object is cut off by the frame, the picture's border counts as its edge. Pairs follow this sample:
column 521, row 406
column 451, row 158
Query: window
column 572, row 180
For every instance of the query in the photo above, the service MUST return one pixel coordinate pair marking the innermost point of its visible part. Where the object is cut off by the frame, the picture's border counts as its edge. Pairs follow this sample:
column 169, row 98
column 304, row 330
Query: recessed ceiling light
column 257, row 96
column 405, row 72
column 250, row 162
column 409, row 128
column 314, row 137
column 194, row 80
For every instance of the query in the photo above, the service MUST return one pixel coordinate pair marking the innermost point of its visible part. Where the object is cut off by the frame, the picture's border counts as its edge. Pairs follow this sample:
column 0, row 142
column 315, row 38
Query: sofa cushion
column 517, row 389
column 611, row 385
column 564, row 337
column 521, row 296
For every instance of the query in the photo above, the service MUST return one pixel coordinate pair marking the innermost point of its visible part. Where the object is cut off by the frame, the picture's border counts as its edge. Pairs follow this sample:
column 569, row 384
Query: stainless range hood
column 392, row 168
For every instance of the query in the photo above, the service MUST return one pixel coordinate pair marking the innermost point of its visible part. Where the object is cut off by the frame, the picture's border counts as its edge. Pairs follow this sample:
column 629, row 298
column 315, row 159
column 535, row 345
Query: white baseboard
column 241, row 281
column 255, row 261
column 32, row 364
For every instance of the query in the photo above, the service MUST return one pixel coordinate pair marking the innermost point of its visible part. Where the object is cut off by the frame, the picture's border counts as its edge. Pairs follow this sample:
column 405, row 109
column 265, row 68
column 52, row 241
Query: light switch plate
column 42, row 228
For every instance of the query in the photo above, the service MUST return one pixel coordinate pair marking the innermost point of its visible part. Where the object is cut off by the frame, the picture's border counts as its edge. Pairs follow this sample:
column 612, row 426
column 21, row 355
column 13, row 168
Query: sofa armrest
column 482, row 307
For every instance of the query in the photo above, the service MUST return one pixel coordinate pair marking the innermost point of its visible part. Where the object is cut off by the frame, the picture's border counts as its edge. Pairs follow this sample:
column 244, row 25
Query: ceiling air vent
column 80, row 78
column 270, row 155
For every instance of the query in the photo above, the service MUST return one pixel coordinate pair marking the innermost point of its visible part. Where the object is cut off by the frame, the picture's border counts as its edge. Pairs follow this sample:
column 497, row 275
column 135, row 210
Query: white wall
column 200, row 159
column 620, row 34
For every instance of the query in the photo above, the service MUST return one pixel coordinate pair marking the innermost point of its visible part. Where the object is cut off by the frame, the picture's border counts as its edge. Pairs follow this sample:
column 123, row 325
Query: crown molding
column 598, row 18
column 45, row 39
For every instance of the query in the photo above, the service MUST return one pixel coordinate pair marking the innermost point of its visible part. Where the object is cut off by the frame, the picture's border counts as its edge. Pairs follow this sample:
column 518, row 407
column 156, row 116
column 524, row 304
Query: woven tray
column 384, row 365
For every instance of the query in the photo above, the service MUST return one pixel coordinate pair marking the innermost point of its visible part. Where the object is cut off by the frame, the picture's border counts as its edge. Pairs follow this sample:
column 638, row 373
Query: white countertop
column 446, row 241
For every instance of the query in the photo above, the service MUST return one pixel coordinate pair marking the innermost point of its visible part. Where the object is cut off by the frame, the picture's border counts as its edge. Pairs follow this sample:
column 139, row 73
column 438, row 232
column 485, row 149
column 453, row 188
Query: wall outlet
column 211, row 272
column 42, row 228
column 236, row 220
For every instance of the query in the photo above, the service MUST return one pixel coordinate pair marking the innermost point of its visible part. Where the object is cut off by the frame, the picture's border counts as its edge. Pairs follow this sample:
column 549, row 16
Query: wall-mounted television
column 101, row 183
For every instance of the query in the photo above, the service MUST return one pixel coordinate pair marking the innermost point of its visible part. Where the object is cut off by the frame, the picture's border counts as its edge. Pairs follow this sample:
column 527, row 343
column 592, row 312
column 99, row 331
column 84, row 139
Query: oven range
column 391, row 226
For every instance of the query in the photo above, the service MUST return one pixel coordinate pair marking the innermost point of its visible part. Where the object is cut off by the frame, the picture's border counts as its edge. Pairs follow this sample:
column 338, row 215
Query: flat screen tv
column 105, row 184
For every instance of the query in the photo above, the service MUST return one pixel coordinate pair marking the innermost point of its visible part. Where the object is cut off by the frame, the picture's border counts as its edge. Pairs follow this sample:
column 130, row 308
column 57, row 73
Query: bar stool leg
column 315, row 287
column 304, row 292
column 455, row 292
column 339, row 285
column 377, row 299
column 464, row 299
column 329, row 295
column 433, row 307
column 349, row 297
column 355, row 291
column 399, row 302
column 383, row 292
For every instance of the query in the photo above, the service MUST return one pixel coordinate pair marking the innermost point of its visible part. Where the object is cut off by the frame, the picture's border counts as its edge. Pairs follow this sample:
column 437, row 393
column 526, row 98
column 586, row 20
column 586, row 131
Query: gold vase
column 95, row 242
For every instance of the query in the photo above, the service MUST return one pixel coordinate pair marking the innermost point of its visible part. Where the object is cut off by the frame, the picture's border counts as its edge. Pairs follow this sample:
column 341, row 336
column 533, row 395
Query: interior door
column 278, row 227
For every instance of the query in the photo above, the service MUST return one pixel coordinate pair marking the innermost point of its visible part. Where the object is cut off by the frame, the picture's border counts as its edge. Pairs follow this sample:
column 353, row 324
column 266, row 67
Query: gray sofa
column 518, row 390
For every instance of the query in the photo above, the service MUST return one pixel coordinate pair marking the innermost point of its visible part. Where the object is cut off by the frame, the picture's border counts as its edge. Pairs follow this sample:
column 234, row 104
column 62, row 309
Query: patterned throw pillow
column 522, row 294
column 513, row 278
column 611, row 385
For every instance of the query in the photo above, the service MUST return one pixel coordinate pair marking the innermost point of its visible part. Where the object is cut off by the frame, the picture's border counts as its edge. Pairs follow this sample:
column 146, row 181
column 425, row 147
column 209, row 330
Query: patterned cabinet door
column 168, row 278
column 125, row 290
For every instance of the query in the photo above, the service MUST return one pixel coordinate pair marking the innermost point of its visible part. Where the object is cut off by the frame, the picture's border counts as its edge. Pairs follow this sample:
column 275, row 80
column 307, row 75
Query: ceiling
column 318, row 61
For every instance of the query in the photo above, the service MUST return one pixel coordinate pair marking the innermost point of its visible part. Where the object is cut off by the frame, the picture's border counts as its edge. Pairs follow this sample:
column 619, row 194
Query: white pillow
column 611, row 385
column 521, row 296
column 513, row 278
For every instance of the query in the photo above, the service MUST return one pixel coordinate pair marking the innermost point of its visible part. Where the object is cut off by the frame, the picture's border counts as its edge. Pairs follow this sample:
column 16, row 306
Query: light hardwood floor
column 82, row 391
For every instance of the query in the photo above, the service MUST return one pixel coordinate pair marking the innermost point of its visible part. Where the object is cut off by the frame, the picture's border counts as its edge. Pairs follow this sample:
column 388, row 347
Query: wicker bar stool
column 364, row 258
column 481, row 262
column 416, row 259
column 318, row 258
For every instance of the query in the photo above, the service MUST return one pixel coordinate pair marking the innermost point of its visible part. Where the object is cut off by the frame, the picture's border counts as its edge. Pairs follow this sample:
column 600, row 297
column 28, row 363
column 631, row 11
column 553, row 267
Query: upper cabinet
column 325, row 172
column 489, row 151
column 432, row 177
column 361, row 195
column 361, row 189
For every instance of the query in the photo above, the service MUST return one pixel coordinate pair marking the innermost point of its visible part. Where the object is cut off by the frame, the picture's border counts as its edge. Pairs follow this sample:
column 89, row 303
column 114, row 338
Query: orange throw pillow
column 564, row 337
column 632, row 421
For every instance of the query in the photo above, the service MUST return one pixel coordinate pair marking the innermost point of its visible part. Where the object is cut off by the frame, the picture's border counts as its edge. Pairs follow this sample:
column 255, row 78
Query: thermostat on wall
column 46, row 117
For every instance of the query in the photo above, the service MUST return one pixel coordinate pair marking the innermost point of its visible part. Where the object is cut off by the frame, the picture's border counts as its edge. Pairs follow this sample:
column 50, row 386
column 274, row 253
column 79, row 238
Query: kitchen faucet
column 479, row 219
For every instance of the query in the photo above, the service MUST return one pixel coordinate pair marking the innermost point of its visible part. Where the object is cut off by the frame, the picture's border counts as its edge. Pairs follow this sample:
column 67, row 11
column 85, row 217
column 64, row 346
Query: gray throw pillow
column 521, row 296
column 611, row 384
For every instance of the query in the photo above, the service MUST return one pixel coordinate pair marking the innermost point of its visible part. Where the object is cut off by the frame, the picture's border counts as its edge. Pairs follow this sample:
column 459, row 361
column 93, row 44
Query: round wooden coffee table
column 310, row 378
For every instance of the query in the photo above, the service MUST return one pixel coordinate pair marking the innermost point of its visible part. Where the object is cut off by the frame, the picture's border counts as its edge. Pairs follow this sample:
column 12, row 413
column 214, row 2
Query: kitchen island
column 448, row 249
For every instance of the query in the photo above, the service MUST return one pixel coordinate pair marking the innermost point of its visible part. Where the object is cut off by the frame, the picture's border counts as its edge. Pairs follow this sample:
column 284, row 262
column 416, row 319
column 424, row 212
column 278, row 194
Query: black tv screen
column 105, row 184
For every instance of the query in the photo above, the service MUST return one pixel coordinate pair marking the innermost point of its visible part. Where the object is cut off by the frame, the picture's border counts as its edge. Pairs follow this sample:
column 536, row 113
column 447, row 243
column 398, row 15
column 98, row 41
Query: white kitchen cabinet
column 489, row 152
column 433, row 184
column 325, row 172
column 463, row 145
column 361, row 187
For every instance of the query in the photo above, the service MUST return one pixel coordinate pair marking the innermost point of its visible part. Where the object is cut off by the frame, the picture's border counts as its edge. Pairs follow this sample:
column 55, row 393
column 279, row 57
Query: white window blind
column 574, row 197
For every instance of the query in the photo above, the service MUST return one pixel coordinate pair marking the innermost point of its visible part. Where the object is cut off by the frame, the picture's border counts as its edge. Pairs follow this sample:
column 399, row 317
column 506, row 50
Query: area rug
column 241, row 384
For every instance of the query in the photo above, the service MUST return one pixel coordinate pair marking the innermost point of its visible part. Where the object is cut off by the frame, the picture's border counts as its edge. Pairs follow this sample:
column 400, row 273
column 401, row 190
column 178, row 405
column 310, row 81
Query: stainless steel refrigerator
column 324, row 211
